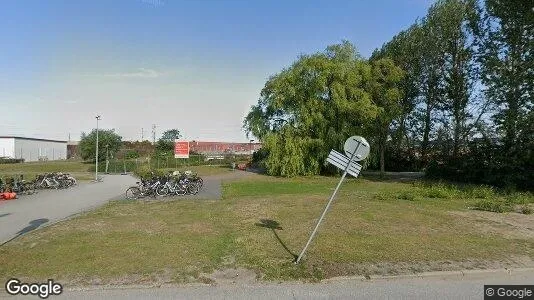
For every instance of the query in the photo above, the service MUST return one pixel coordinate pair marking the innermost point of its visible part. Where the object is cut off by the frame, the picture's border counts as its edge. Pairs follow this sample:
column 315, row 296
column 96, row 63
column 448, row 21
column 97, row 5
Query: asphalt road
column 30, row 212
column 433, row 287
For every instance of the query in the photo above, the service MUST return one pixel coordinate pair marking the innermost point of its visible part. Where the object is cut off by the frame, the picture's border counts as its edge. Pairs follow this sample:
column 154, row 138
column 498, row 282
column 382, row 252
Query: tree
column 312, row 107
column 432, row 83
column 171, row 135
column 405, row 50
column 165, row 144
column 458, row 23
column 109, row 142
column 508, row 62
column 462, row 61
column 386, row 95
column 144, row 148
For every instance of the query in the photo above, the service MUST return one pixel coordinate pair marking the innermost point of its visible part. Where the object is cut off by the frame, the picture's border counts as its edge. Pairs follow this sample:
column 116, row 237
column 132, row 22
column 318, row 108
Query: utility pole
column 142, row 134
column 96, row 170
column 154, row 134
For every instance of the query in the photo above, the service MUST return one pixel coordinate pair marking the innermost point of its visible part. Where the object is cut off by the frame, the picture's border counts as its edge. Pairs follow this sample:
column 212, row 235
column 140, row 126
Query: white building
column 31, row 149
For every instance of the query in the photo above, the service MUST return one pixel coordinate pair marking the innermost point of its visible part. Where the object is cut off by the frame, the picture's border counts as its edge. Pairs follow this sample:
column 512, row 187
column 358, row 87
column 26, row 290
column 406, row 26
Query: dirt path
column 510, row 225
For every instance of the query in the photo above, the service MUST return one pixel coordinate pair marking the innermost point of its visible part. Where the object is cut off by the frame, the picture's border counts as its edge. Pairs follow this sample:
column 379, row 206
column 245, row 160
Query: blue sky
column 193, row 65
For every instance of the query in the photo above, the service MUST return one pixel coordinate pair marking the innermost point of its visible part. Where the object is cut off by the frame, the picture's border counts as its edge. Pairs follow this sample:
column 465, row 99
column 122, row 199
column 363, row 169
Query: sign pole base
column 321, row 218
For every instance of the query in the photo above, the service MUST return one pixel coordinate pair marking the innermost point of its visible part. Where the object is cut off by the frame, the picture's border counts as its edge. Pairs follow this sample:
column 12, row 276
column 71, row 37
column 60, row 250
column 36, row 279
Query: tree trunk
column 382, row 149
column 382, row 163
column 510, row 119
column 456, row 137
column 426, row 133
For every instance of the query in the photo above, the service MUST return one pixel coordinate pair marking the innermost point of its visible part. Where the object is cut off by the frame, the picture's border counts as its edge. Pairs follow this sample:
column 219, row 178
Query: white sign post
column 357, row 149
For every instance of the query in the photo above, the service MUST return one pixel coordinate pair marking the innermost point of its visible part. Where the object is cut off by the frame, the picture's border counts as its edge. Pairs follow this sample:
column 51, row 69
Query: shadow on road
column 3, row 215
column 34, row 224
column 273, row 225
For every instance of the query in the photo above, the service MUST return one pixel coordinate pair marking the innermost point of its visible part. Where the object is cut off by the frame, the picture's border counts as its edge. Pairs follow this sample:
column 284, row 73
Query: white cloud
column 140, row 73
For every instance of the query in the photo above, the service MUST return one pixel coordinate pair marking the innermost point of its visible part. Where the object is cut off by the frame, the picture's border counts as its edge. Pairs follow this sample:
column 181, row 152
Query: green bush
column 481, row 192
column 143, row 171
column 439, row 190
column 131, row 154
column 488, row 164
column 520, row 198
column 406, row 195
column 4, row 160
column 381, row 196
column 498, row 206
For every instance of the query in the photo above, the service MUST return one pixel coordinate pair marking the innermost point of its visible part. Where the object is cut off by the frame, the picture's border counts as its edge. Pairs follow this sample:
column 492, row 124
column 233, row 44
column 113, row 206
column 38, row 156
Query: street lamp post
column 96, row 170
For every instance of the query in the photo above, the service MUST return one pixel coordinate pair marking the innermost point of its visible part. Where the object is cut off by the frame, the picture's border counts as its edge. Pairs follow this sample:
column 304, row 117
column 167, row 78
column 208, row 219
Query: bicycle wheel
column 162, row 190
column 192, row 189
column 30, row 187
column 133, row 193
column 200, row 182
column 180, row 190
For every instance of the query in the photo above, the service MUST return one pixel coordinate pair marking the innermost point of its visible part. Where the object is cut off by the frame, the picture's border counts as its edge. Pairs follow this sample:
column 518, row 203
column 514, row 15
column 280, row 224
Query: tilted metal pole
column 327, row 206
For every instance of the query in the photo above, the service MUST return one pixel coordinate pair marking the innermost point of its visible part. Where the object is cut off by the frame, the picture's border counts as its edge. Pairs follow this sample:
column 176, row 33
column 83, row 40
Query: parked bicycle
column 175, row 183
column 178, row 185
column 55, row 180
column 20, row 186
column 143, row 189
column 16, row 185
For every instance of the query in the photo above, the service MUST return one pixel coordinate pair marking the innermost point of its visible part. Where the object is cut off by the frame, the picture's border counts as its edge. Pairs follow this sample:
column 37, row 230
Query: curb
column 132, row 287
column 437, row 274
column 463, row 274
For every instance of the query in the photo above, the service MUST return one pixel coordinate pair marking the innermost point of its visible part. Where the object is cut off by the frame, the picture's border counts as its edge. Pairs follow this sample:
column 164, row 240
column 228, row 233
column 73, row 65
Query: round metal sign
column 357, row 144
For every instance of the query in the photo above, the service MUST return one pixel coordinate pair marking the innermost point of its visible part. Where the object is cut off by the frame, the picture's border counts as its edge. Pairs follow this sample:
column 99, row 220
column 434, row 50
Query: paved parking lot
column 30, row 212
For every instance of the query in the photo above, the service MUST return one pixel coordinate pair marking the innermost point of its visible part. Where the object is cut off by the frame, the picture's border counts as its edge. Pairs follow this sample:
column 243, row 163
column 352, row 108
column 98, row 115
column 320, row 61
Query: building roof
column 30, row 139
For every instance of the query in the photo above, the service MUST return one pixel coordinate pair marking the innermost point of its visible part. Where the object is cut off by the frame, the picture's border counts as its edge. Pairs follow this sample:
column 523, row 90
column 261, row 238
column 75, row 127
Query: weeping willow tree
column 317, row 103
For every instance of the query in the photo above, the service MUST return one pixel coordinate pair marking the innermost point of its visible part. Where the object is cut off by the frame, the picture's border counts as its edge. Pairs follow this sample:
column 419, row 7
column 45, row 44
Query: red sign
column 181, row 149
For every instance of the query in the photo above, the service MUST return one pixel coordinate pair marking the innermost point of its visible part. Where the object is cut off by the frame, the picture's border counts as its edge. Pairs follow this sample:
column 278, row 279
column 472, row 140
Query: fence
column 132, row 165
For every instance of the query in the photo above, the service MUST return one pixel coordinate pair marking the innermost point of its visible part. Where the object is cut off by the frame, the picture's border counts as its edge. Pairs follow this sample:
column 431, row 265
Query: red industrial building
column 223, row 147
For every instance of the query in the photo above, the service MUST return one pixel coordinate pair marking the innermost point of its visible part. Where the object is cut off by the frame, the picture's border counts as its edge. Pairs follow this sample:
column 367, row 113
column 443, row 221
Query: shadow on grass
column 273, row 225
column 34, row 224
column 393, row 176
column 260, row 171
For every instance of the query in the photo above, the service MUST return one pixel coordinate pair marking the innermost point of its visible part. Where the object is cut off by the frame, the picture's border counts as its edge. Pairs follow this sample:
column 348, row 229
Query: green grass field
column 77, row 168
column 373, row 227
column 85, row 171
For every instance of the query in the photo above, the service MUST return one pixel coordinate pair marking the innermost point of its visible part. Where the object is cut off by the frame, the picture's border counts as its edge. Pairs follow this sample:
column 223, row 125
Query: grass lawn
column 81, row 170
column 373, row 227
column 77, row 168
